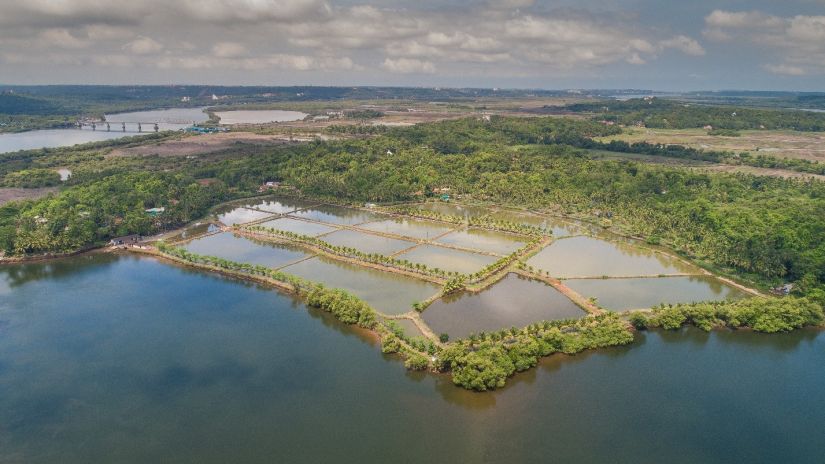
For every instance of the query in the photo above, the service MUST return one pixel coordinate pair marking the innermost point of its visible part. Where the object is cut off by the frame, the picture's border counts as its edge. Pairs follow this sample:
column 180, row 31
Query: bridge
column 128, row 126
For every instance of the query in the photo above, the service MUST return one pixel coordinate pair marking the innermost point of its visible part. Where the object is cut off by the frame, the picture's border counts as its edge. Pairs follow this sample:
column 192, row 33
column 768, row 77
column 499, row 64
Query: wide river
column 123, row 359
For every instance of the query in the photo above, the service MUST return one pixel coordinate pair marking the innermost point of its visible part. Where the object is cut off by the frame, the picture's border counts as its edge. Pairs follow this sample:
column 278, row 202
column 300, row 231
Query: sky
column 607, row 44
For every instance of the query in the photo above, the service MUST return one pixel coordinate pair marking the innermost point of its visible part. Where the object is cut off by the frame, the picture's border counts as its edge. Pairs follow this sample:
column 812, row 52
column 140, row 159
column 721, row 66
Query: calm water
column 52, row 138
column 298, row 227
column 484, row 240
column 512, row 302
column 463, row 262
column 560, row 228
column 386, row 292
column 337, row 215
column 258, row 116
column 593, row 257
column 130, row 360
column 232, row 215
column 167, row 119
column 625, row 294
column 424, row 230
column 233, row 247
column 367, row 243
column 280, row 205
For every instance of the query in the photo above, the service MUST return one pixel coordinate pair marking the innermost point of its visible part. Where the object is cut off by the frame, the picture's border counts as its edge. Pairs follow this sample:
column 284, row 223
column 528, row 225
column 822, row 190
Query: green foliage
column 638, row 320
column 32, row 178
column 390, row 344
column 417, row 362
column 444, row 337
column 761, row 314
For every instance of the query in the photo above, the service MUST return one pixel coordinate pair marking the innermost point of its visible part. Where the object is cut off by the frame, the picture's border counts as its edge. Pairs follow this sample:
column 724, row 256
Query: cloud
column 785, row 69
column 254, row 11
column 797, row 41
column 408, row 66
column 61, row 38
column 684, row 44
column 229, row 50
column 143, row 46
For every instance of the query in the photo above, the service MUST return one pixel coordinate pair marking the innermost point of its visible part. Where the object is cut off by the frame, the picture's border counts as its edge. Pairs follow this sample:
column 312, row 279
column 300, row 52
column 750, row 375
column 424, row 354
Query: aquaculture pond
column 367, row 243
column 232, row 216
column 118, row 359
column 463, row 262
column 410, row 329
column 298, row 227
column 233, row 247
column 423, row 230
column 625, row 294
column 593, row 257
column 337, row 215
column 387, row 292
column 485, row 240
column 514, row 301
column 280, row 205
column 258, row 116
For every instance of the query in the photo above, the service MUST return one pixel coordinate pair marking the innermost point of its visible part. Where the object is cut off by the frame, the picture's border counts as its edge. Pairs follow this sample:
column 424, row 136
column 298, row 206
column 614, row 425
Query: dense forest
column 766, row 228
column 669, row 114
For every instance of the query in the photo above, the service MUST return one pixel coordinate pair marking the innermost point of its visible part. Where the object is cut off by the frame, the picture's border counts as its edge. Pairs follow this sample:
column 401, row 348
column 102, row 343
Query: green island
column 409, row 232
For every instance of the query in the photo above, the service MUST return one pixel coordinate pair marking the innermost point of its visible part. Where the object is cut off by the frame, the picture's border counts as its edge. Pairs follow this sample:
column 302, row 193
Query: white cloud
column 253, row 11
column 684, row 44
column 61, row 38
column 229, row 50
column 785, row 69
column 143, row 46
column 408, row 66
column 797, row 41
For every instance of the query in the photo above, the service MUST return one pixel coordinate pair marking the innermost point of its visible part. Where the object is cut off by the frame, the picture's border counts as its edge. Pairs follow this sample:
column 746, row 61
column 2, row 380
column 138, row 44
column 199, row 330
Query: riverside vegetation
column 768, row 230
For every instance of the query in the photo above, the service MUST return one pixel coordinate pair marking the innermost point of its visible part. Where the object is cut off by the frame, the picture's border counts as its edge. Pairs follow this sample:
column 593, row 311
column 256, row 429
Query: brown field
column 12, row 194
column 781, row 144
column 200, row 144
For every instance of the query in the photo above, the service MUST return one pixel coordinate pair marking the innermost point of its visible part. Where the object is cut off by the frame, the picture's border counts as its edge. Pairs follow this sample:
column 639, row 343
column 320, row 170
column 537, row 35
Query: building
column 126, row 240
column 155, row 211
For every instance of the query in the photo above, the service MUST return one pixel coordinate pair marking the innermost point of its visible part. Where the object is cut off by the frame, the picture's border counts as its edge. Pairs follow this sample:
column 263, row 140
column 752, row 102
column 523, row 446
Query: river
column 107, row 358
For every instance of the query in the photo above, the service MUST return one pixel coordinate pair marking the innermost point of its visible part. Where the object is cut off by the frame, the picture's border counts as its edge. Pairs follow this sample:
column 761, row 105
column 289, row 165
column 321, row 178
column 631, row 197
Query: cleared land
column 12, row 194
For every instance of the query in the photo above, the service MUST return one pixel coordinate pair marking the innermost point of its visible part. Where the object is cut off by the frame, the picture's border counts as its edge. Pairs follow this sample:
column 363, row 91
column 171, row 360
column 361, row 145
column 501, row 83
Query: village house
column 126, row 240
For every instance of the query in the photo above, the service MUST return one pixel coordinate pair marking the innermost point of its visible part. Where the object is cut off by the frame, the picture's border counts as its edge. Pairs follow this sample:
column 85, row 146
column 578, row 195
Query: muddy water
column 588, row 256
column 386, row 292
column 258, row 116
column 625, row 294
column 463, row 262
column 229, row 246
column 514, row 301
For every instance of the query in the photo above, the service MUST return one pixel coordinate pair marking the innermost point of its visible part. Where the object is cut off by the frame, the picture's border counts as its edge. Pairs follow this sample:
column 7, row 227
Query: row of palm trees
column 482, row 222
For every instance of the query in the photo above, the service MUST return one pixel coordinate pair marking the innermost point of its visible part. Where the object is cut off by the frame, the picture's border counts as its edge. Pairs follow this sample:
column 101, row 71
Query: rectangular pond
column 559, row 227
column 337, row 215
column 281, row 205
column 410, row 329
column 367, row 243
column 454, row 209
column 593, row 257
column 414, row 228
column 233, row 247
column 628, row 294
column 298, row 227
column 386, row 292
column 514, row 301
column 485, row 240
column 239, row 215
column 463, row 262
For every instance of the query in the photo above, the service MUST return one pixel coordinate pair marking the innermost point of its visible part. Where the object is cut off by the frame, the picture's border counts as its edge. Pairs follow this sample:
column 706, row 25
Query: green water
column 107, row 359
column 463, row 262
column 385, row 291
column 233, row 247
column 484, row 240
column 625, row 294
column 514, row 301
column 593, row 257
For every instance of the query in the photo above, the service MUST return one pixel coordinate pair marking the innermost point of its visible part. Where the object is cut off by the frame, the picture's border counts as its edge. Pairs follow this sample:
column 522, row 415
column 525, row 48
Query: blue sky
column 690, row 45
